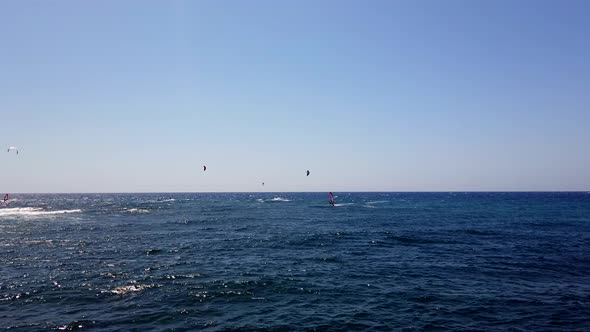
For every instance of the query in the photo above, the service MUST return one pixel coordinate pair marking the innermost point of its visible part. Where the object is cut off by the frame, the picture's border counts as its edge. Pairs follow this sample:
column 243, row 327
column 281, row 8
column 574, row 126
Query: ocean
column 291, row 262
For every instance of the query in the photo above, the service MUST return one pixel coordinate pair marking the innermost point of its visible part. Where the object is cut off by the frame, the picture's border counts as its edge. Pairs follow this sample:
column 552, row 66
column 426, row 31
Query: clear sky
column 111, row 96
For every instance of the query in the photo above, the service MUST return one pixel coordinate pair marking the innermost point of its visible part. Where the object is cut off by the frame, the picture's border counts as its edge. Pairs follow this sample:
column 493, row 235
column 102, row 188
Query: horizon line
column 270, row 192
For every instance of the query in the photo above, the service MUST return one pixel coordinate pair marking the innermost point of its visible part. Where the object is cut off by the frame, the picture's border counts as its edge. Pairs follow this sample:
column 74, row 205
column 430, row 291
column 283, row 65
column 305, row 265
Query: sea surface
column 290, row 261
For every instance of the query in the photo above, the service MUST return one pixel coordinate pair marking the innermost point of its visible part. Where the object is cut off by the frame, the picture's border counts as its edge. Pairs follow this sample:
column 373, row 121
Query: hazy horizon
column 283, row 192
column 381, row 96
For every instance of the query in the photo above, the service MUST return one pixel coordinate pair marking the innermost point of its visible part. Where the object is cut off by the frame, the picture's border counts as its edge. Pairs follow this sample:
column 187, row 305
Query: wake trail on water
column 33, row 211
column 377, row 202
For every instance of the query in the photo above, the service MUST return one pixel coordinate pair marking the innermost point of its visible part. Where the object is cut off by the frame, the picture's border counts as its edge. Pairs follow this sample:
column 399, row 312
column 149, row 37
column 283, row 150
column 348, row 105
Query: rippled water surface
column 289, row 261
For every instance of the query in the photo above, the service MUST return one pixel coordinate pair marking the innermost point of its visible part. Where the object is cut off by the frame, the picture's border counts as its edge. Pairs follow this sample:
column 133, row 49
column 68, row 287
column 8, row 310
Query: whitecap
column 136, row 210
column 280, row 199
column 157, row 201
column 129, row 289
column 166, row 200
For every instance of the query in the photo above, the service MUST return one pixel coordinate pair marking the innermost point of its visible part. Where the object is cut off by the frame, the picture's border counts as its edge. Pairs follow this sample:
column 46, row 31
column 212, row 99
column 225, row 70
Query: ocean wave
column 280, row 199
column 274, row 199
column 159, row 200
column 136, row 210
column 129, row 289
column 182, row 276
column 33, row 211
column 76, row 325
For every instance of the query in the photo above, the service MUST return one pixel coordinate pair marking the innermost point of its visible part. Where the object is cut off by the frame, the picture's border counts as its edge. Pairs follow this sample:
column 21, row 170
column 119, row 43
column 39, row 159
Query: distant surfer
column 5, row 198
column 307, row 172
column 331, row 199
column 204, row 168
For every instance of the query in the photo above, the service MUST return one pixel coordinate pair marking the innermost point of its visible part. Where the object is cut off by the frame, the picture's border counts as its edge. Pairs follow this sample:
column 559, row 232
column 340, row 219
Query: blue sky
column 111, row 96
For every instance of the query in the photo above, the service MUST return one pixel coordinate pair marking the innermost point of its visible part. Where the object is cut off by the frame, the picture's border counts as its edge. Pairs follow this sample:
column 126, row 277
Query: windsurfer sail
column 331, row 199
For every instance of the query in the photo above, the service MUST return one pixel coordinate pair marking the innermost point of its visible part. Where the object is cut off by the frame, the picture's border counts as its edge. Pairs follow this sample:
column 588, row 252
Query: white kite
column 12, row 148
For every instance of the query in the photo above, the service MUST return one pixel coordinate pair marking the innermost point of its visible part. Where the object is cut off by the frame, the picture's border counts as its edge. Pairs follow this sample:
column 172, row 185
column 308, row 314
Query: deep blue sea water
column 289, row 261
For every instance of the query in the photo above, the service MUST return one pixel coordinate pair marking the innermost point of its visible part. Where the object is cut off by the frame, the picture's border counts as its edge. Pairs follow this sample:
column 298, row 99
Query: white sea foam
column 275, row 199
column 343, row 204
column 135, row 210
column 128, row 289
column 162, row 200
column 280, row 199
column 33, row 211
